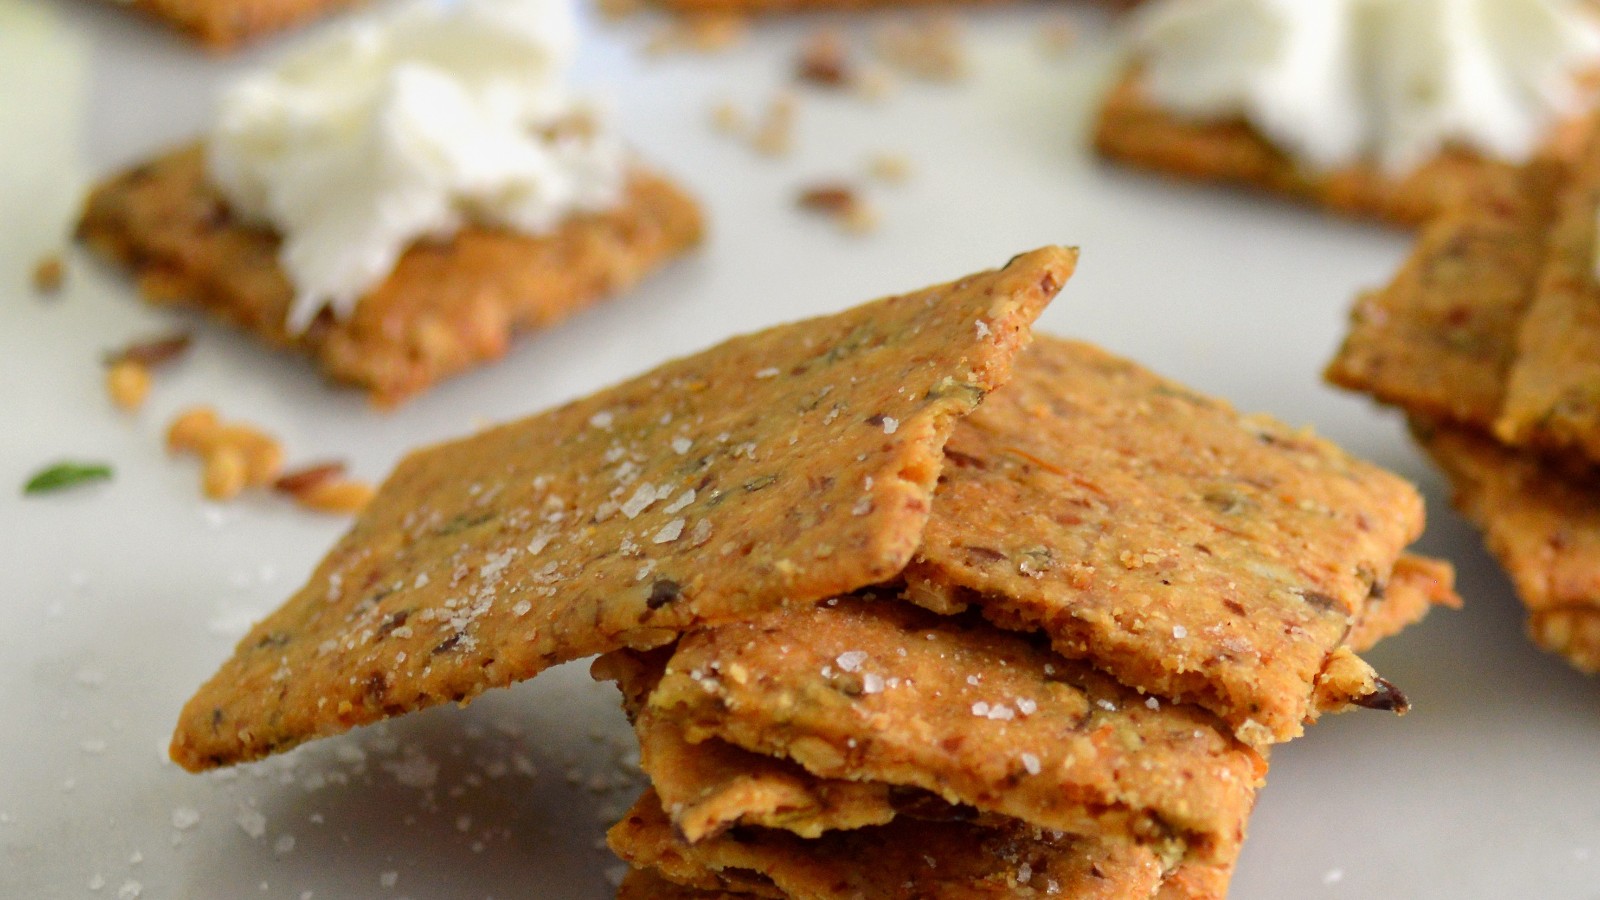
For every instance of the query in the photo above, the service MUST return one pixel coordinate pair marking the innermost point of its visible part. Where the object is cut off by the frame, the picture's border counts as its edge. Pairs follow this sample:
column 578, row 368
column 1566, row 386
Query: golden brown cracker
column 1440, row 338
column 1542, row 522
column 1552, row 395
column 1132, row 128
column 868, row 688
column 907, row 858
column 447, row 307
column 647, row 884
column 792, row 464
column 1416, row 585
column 222, row 25
column 1188, row 550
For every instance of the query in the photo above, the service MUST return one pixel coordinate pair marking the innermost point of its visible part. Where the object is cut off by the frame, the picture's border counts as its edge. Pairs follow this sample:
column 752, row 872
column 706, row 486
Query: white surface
column 116, row 601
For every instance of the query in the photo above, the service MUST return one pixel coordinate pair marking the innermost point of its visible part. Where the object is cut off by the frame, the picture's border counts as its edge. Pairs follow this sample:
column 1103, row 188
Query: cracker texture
column 784, row 466
column 223, row 25
column 1190, row 551
column 448, row 306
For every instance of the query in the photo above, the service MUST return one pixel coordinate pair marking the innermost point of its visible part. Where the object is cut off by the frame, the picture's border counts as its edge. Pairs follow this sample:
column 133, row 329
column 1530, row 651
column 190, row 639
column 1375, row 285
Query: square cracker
column 1133, row 129
column 788, row 465
column 1552, row 398
column 868, row 688
column 893, row 860
column 1542, row 521
column 1186, row 549
column 224, row 24
column 446, row 308
column 1440, row 338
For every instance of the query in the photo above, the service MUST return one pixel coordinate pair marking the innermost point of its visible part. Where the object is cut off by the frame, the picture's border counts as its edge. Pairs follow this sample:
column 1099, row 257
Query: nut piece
column 336, row 495
column 224, row 474
column 128, row 383
column 841, row 203
column 49, row 274
column 824, row 60
column 193, row 431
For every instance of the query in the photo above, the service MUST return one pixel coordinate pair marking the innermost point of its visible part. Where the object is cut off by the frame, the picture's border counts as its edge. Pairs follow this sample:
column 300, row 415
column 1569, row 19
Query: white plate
column 116, row 601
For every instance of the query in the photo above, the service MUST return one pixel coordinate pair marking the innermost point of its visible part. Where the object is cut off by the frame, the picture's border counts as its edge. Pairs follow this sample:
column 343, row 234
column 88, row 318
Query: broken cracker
column 869, row 688
column 1190, row 551
column 892, row 860
column 1132, row 128
column 447, row 306
column 788, row 465
column 1542, row 521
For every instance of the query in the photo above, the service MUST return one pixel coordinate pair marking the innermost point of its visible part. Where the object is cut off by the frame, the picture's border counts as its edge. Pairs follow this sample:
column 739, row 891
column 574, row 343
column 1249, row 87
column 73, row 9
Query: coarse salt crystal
column 684, row 499
column 1180, row 632
column 669, row 532
column 602, row 419
column 890, row 425
column 768, row 372
column 284, row 845
column 642, row 497
column 872, row 683
column 521, row 608
column 681, row 445
column 251, row 822
column 1031, row 764
column 1106, row 705
column 1026, row 707
column 1153, row 703
column 980, row 709
column 851, row 660
column 983, row 328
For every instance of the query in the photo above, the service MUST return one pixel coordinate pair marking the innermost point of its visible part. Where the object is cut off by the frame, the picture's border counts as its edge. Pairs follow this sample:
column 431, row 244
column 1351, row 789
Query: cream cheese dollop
column 1392, row 82
column 386, row 131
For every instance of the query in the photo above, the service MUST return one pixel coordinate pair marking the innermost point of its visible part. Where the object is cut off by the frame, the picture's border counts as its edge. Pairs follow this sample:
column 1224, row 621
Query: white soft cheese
column 1339, row 82
column 389, row 130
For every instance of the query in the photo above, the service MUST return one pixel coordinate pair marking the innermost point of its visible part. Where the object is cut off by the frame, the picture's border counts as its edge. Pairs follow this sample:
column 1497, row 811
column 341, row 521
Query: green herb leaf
column 64, row 475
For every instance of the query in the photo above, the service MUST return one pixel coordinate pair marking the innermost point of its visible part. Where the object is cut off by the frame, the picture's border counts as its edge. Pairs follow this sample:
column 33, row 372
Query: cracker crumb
column 49, row 273
column 727, row 119
column 709, row 32
column 825, row 60
column 841, row 203
column 775, row 135
column 893, row 168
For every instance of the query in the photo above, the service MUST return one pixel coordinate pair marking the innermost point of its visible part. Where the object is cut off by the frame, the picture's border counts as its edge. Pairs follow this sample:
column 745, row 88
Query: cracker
column 792, row 464
column 1187, row 550
column 446, row 308
column 1542, row 521
column 1133, row 129
column 1416, row 585
column 1440, row 338
column 1553, row 389
column 908, row 858
column 222, row 25
column 868, row 688
column 646, row 884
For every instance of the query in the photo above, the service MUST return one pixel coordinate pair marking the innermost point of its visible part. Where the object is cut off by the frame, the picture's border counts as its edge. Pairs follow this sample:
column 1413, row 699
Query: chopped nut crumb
column 154, row 351
column 776, row 134
column 128, row 383
column 842, row 204
column 337, row 495
column 726, row 118
column 890, row 167
column 49, row 274
column 224, row 475
column 193, row 430
column 307, row 477
column 824, row 60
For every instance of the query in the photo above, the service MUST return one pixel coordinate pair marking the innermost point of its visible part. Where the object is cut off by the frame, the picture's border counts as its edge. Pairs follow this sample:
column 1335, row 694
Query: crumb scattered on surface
column 775, row 136
column 49, row 274
column 842, row 203
column 128, row 384
column 237, row 456
column 825, row 60
column 893, row 168
column 616, row 10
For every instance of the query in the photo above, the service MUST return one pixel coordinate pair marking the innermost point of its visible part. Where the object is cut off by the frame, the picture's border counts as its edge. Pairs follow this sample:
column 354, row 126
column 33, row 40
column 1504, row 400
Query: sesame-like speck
column 602, row 419
column 1026, row 706
column 1106, row 705
column 185, row 818
column 1153, row 703
column 890, row 424
column 768, row 372
column 1180, row 632
column 851, row 660
column 1031, row 764
column 681, row 445
column 669, row 532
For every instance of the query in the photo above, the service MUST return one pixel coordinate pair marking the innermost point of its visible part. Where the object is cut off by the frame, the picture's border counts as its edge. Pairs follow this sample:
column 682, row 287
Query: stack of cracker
column 1489, row 339
column 877, row 640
